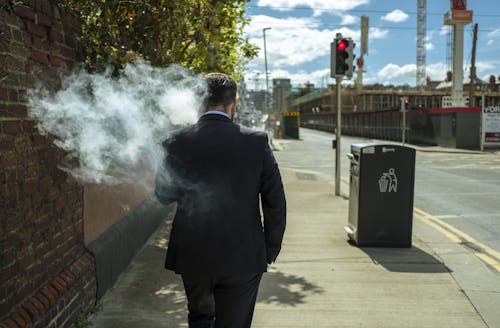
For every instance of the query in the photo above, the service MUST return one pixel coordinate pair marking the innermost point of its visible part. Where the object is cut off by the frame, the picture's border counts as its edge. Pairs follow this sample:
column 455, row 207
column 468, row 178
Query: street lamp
column 267, row 73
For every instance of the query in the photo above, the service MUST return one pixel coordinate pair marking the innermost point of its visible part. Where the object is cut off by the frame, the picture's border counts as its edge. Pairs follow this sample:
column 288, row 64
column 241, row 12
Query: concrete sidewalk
column 320, row 280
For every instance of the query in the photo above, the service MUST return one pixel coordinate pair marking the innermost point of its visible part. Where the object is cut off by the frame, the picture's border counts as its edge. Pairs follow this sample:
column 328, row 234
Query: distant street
column 452, row 190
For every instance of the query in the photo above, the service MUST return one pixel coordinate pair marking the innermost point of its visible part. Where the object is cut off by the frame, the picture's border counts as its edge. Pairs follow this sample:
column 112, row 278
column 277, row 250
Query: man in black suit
column 217, row 171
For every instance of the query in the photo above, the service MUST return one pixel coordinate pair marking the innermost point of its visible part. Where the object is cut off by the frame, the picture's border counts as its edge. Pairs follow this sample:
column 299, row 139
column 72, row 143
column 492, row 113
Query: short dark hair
column 221, row 90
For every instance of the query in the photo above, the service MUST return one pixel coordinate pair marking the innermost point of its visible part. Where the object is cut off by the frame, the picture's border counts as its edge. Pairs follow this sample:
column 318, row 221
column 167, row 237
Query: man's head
column 221, row 93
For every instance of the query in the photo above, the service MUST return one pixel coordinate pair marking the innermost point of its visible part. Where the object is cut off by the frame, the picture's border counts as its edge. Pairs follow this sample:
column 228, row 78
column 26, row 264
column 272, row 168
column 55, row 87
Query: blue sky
column 298, row 43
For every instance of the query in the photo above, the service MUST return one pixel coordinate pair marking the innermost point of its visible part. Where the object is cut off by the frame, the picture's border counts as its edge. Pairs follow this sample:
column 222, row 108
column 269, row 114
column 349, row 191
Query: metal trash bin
column 381, row 195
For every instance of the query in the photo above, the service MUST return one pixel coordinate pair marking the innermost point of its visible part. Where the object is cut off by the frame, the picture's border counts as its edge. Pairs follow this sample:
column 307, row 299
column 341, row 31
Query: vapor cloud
column 113, row 124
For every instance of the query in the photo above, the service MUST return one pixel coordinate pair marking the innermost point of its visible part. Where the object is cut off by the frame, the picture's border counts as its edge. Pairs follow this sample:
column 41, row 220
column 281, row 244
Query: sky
column 298, row 43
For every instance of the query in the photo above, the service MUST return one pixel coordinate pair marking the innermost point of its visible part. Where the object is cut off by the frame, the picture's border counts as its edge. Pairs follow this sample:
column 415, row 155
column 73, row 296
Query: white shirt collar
column 216, row 112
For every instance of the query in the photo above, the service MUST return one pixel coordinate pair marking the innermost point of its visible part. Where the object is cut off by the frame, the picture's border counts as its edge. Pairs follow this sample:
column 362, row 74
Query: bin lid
column 356, row 148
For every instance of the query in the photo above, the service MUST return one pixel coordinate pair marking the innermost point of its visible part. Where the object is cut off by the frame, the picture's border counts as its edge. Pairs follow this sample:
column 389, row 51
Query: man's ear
column 233, row 108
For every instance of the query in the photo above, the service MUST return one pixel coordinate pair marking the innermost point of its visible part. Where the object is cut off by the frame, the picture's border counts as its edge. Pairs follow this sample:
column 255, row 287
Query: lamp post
column 267, row 73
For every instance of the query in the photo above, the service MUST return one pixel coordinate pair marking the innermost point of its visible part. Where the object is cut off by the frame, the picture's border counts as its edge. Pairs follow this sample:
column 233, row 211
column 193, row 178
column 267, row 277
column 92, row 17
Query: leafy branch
column 203, row 35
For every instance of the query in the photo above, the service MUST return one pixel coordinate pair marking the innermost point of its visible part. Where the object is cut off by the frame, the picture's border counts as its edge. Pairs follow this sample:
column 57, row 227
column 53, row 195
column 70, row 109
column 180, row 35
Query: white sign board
column 491, row 126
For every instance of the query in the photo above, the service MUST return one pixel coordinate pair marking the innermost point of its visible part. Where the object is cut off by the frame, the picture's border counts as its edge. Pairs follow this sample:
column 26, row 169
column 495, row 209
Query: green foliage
column 202, row 35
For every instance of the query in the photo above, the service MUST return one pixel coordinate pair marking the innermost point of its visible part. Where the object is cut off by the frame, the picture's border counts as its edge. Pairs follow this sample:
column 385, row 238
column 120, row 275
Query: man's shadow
column 279, row 288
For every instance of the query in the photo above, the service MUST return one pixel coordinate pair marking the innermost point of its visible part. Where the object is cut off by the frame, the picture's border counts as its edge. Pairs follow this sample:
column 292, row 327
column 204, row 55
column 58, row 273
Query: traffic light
column 405, row 103
column 342, row 57
column 350, row 58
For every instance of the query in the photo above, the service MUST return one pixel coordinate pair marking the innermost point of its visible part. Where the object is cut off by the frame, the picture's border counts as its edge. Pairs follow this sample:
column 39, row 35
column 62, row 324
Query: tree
column 203, row 35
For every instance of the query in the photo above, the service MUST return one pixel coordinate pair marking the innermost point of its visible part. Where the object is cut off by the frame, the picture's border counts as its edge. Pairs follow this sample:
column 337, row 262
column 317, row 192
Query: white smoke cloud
column 114, row 124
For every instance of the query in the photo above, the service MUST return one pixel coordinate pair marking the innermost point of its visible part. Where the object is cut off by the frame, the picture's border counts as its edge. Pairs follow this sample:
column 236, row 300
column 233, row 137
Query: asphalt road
column 460, row 192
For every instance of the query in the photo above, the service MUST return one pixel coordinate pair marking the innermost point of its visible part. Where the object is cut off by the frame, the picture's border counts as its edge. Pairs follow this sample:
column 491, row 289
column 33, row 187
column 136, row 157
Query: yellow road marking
column 450, row 236
column 488, row 255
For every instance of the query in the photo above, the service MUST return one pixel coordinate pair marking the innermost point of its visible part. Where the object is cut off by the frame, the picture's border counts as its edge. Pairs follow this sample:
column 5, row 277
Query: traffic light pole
column 337, row 136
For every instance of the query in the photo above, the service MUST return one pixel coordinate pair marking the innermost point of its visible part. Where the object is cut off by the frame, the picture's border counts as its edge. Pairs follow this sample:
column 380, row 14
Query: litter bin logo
column 388, row 182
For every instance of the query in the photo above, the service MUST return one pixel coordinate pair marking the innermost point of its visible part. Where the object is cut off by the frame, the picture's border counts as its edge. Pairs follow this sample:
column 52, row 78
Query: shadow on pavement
column 279, row 288
column 411, row 259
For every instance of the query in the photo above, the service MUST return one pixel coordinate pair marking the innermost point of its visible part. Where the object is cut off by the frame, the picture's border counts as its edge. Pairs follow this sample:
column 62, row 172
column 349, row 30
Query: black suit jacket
column 216, row 171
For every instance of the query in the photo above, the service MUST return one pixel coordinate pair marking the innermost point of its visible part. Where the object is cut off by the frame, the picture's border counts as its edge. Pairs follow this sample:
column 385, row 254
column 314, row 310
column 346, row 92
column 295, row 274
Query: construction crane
column 421, row 41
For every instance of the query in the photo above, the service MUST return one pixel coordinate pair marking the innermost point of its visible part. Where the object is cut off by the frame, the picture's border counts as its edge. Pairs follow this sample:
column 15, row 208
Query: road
column 459, row 189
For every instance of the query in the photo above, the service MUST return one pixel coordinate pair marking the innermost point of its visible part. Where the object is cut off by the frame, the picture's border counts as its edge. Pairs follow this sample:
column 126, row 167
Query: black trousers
column 221, row 301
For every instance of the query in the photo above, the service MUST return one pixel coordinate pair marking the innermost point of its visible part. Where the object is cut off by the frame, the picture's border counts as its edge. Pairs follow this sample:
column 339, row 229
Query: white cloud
column 487, row 67
column 436, row 71
column 348, row 19
column 429, row 46
column 493, row 36
column 395, row 16
column 377, row 33
column 315, row 4
column 445, row 29
column 295, row 41
column 393, row 72
column 396, row 74
column 319, row 77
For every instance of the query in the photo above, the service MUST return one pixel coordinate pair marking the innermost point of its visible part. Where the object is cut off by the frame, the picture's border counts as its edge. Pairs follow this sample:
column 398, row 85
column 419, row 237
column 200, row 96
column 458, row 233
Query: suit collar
column 214, row 117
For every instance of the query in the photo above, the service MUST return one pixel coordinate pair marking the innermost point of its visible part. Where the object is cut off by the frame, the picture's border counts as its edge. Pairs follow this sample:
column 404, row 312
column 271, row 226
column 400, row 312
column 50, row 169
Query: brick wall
column 46, row 275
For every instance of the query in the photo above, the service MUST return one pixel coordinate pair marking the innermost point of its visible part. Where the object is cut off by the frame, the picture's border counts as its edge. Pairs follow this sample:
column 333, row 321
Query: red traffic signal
column 406, row 103
column 342, row 45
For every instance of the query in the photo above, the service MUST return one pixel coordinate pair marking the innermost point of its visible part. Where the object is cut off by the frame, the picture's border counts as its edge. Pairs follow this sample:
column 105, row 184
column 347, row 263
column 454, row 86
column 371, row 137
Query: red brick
column 56, row 36
column 27, row 39
column 40, row 57
column 72, row 276
column 10, row 175
column 24, row 11
column 29, row 126
column 41, row 44
column 52, row 292
column 13, row 95
column 6, row 142
column 15, row 110
column 4, row 94
column 68, row 52
column 26, row 317
column 44, row 300
column 8, row 159
column 30, row 216
column 11, row 127
column 17, row 35
column 38, row 305
column 9, row 323
column 36, row 29
column 32, row 310
column 30, row 186
column 42, row 19
column 39, row 140
column 56, row 61
column 44, row 6
column 23, row 95
column 61, row 282
column 60, row 289
column 19, row 320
